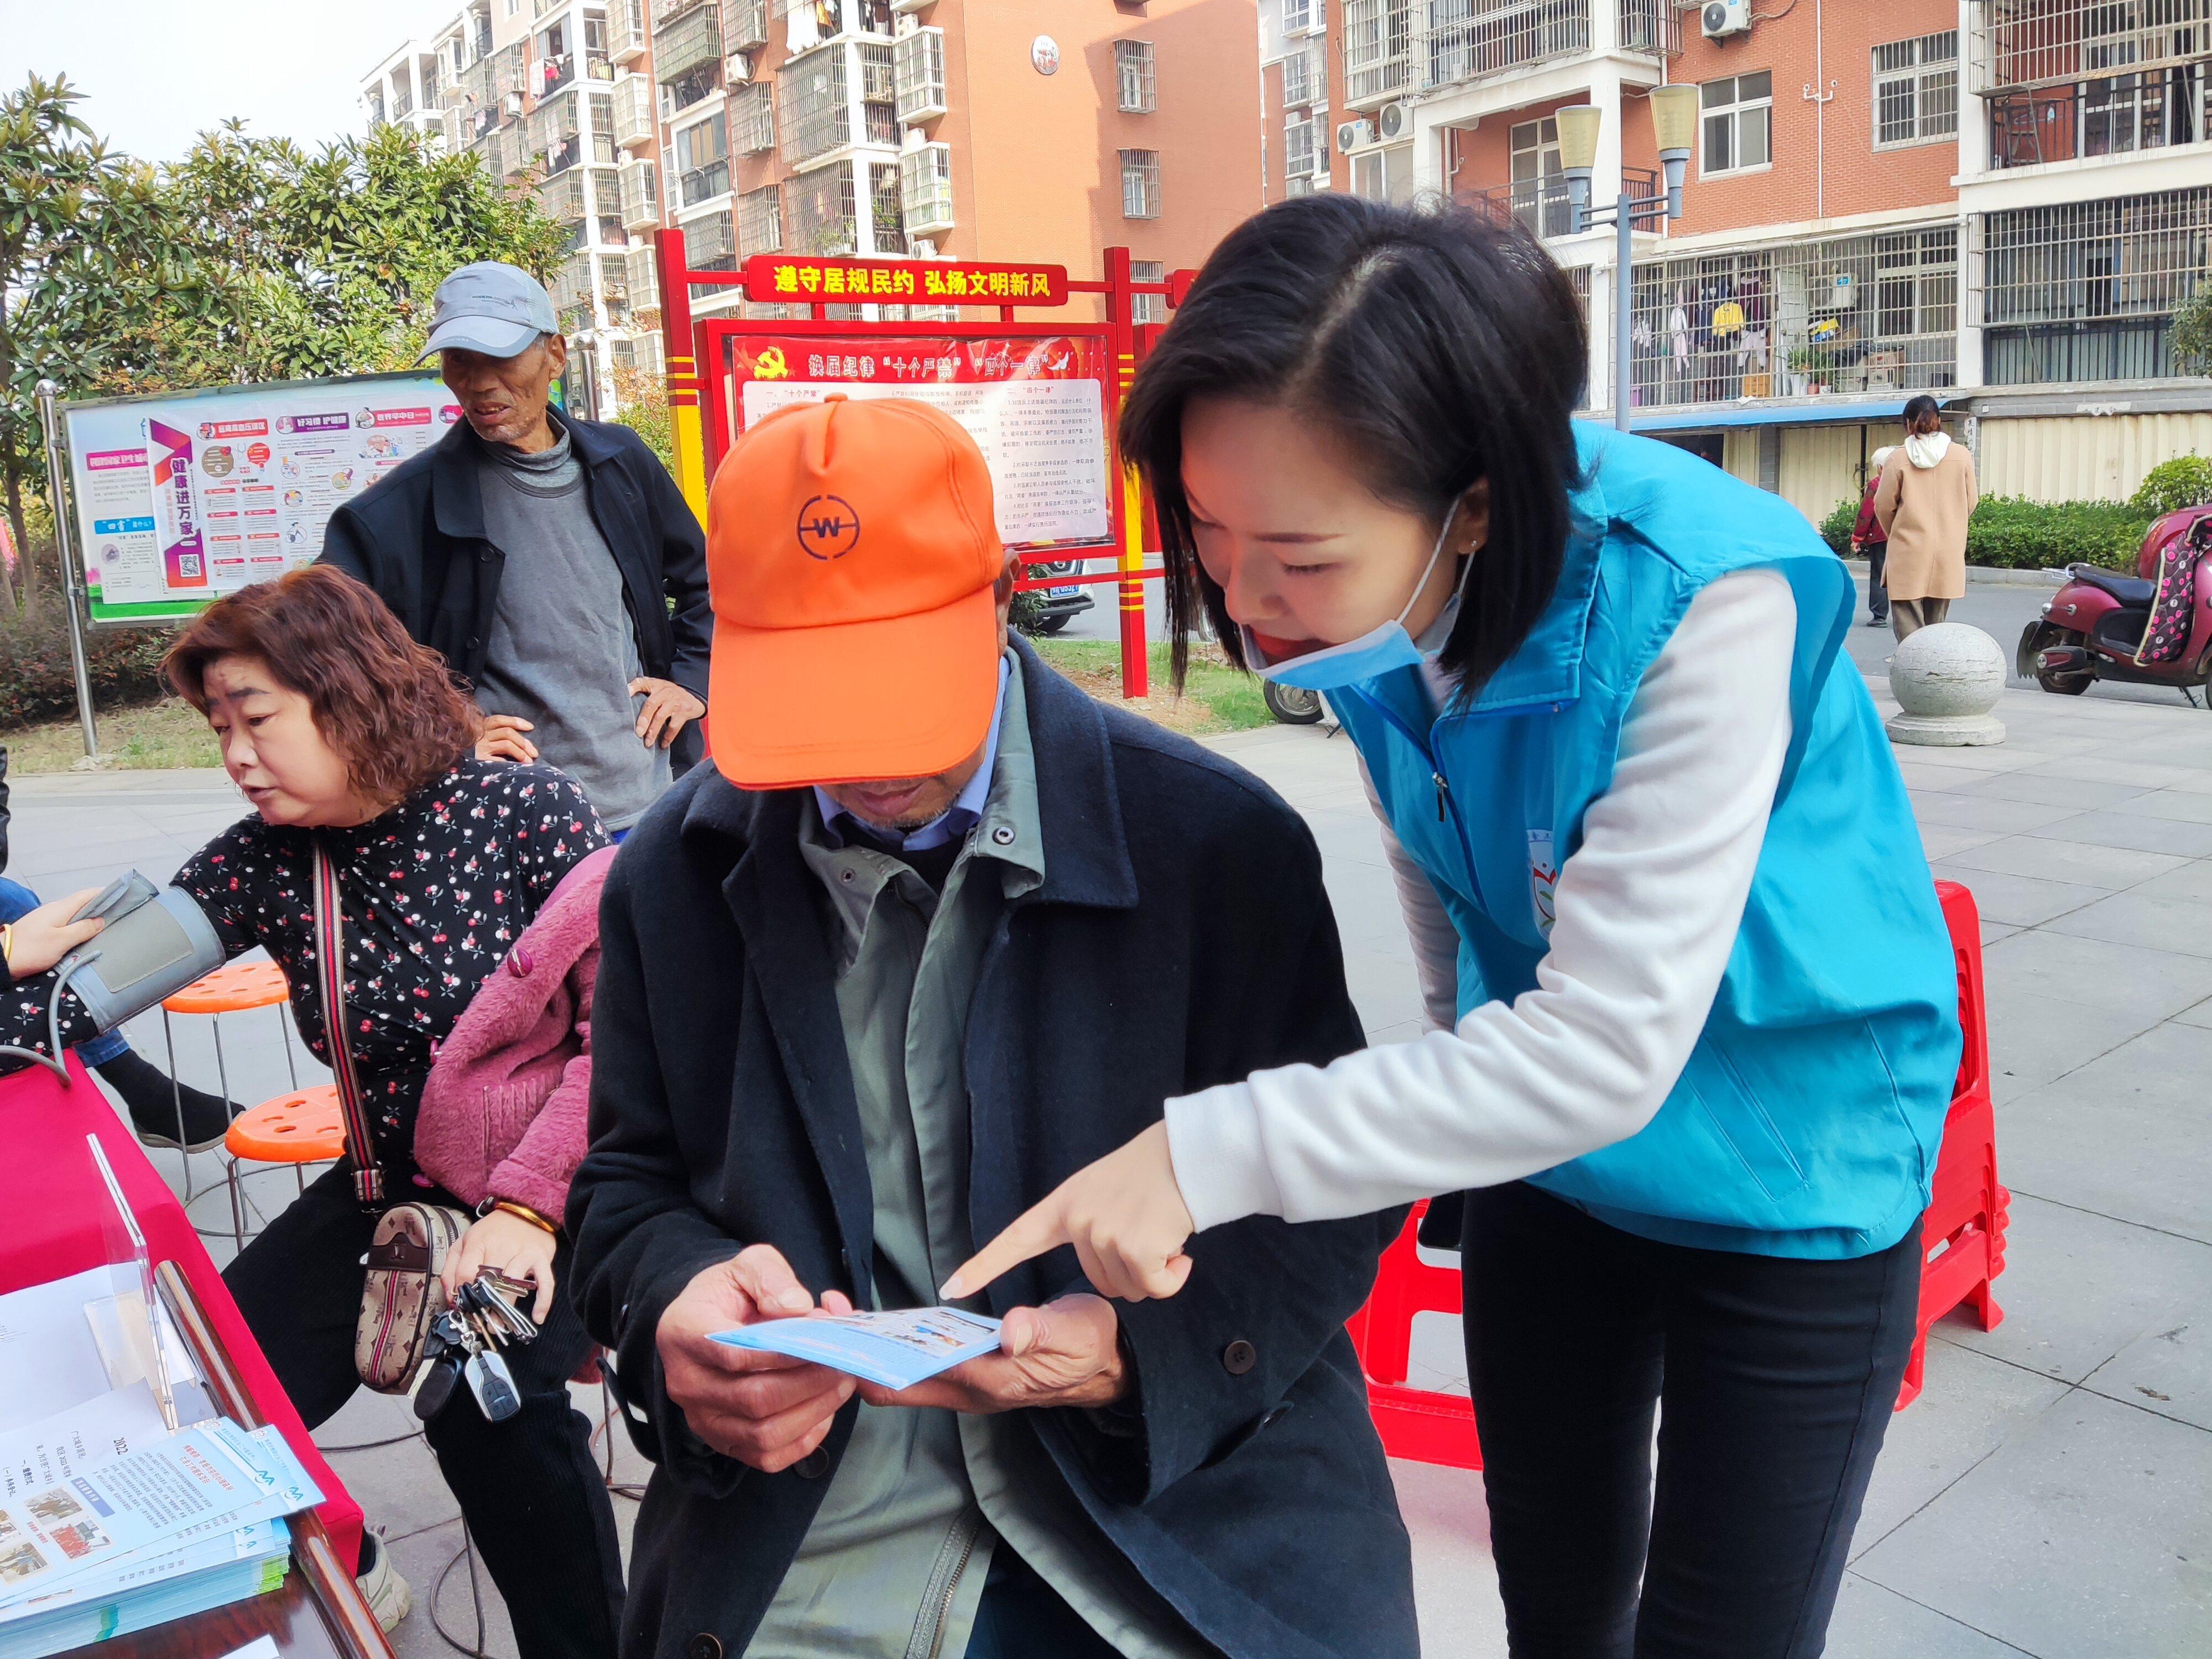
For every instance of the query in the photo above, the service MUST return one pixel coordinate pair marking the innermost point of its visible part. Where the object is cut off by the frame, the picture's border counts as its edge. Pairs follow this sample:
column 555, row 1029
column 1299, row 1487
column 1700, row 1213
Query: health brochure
column 894, row 1350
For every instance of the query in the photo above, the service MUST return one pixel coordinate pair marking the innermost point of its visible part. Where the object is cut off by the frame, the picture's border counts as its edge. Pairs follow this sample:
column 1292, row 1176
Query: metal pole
column 1624, row 225
column 72, row 567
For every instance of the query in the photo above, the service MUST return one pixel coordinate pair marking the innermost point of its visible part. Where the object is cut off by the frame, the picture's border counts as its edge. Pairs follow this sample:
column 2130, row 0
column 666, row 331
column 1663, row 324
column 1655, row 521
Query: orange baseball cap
column 851, row 551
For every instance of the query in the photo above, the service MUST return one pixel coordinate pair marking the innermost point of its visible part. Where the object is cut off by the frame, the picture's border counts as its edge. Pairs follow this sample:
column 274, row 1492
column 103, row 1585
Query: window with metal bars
column 1148, row 307
column 1299, row 16
column 814, row 114
column 1739, row 123
column 760, row 222
column 1378, row 49
column 819, row 211
column 2086, row 290
column 603, row 127
column 1141, row 184
column 886, row 214
column 752, row 119
column 644, row 273
column 1298, row 161
column 1300, row 77
column 1461, row 39
column 1132, row 68
column 1916, row 90
column 710, row 240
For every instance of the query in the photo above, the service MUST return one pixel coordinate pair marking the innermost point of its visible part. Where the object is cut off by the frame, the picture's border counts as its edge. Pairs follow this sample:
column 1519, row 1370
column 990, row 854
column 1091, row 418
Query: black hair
column 1442, row 349
column 1922, row 415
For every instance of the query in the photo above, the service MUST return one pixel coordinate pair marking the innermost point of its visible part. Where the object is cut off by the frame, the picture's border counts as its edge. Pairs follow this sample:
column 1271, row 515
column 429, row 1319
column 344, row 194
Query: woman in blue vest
column 1692, row 1006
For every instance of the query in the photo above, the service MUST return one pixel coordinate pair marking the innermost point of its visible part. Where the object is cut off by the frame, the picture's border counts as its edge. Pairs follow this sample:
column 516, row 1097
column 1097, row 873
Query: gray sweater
column 563, row 649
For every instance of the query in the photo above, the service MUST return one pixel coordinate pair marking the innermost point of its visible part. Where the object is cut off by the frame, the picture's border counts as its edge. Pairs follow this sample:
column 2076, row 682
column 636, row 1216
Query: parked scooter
column 2093, row 628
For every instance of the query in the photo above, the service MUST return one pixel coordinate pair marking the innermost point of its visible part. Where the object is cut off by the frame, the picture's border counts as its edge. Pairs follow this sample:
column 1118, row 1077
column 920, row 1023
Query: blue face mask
column 1379, row 651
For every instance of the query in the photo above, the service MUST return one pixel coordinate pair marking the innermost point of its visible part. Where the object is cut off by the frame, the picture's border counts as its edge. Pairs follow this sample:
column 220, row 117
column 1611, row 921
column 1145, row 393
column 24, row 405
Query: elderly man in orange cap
column 935, row 931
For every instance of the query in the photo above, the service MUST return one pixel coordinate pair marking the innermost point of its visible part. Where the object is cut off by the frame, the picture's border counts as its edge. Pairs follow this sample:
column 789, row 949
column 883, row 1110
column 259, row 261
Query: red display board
column 1037, row 401
column 784, row 278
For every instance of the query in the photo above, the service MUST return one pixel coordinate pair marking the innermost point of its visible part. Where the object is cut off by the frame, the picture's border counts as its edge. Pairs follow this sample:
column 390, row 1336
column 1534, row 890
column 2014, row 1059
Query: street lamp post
column 1674, row 124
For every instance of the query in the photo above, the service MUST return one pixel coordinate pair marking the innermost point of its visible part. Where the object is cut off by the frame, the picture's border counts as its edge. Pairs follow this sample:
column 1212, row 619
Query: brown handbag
column 401, row 1294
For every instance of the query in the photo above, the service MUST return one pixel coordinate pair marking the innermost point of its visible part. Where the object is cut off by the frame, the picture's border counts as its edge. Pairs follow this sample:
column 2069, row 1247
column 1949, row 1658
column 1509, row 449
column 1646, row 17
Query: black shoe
column 153, row 1108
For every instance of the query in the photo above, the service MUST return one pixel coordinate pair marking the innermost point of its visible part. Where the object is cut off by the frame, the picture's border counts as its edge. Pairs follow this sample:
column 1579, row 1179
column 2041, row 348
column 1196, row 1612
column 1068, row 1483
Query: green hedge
column 2009, row 533
column 2185, row 481
column 36, row 682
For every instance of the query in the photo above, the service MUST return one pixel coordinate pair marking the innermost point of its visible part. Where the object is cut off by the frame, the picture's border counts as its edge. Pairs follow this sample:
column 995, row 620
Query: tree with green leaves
column 81, row 256
column 253, row 259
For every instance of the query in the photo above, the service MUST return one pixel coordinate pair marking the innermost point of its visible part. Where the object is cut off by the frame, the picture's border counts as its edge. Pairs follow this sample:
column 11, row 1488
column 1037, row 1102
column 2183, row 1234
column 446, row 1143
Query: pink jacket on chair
column 503, row 1112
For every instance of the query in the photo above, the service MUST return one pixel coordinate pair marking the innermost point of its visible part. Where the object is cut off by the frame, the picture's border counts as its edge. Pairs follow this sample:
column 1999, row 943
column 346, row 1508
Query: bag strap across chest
column 329, row 969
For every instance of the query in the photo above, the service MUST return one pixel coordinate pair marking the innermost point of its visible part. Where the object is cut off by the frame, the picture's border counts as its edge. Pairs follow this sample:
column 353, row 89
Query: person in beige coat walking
column 1927, row 494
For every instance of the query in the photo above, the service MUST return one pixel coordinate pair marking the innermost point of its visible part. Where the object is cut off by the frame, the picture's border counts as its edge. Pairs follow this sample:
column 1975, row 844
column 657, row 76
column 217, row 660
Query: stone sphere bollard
column 1946, row 678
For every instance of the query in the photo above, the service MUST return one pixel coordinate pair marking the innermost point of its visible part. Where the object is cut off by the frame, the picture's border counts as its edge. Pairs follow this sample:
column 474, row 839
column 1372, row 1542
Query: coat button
column 704, row 1646
column 1003, row 835
column 1239, row 1357
column 813, row 1467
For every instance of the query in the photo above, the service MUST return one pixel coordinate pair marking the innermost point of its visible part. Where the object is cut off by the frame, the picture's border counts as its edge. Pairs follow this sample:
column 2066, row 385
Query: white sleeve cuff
column 1213, row 1141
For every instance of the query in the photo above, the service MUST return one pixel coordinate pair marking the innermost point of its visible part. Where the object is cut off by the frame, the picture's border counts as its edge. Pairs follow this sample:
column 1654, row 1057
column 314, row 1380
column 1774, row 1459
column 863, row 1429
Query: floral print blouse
column 433, row 893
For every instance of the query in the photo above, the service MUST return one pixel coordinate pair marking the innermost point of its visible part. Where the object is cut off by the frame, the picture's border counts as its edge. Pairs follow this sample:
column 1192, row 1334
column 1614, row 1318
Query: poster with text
column 182, row 497
column 1035, row 406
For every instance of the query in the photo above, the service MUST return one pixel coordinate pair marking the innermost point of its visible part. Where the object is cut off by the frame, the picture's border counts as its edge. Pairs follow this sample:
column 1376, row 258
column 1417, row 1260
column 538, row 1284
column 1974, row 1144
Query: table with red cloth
column 50, row 1195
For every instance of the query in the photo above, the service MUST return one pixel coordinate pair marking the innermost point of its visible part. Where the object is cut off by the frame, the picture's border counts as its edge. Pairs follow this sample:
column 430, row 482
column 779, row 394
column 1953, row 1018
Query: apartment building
column 2001, row 201
column 1021, row 130
column 535, row 90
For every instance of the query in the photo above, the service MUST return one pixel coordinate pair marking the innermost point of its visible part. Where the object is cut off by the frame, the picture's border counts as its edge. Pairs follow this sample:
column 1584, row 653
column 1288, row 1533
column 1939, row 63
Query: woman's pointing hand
column 1124, row 1214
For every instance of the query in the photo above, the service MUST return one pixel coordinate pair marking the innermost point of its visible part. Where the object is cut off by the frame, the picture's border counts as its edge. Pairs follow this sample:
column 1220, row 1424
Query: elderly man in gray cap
column 551, row 559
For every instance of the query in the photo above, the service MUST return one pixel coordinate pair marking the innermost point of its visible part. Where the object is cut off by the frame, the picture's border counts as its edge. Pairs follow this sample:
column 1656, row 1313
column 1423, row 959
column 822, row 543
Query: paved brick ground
column 2044, row 1496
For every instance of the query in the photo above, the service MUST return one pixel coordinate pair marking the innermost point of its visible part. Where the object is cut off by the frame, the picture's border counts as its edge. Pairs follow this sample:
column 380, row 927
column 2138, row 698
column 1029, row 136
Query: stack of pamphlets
column 111, row 1523
column 894, row 1350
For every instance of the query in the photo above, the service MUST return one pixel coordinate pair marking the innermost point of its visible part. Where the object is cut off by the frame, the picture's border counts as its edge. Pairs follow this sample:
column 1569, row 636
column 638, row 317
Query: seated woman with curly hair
column 341, row 732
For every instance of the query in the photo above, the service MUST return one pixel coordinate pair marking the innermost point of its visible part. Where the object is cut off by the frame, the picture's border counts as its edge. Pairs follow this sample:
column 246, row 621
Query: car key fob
column 493, row 1384
column 439, row 1383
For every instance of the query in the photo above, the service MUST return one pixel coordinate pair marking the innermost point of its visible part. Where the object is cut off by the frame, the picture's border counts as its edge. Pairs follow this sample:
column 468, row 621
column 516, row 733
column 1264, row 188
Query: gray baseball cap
column 494, row 308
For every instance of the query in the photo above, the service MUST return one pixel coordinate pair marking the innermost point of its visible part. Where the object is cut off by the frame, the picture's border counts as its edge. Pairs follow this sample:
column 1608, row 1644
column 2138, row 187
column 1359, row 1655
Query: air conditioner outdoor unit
column 738, row 69
column 1393, row 122
column 1722, row 18
column 1353, row 135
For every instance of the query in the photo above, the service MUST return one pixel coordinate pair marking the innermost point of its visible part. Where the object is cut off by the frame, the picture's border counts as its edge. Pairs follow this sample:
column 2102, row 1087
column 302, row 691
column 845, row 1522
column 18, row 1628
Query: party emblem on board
column 829, row 528
column 770, row 365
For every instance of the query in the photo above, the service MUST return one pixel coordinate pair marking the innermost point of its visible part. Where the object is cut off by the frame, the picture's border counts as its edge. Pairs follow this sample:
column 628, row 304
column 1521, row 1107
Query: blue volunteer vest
column 1807, row 1120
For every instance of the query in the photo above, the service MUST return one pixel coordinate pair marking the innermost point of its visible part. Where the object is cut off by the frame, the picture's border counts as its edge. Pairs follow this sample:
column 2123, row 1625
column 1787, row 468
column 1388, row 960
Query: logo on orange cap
column 829, row 528
column 832, row 669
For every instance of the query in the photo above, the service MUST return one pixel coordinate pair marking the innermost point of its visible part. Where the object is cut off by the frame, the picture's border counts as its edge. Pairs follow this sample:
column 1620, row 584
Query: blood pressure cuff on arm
column 156, row 942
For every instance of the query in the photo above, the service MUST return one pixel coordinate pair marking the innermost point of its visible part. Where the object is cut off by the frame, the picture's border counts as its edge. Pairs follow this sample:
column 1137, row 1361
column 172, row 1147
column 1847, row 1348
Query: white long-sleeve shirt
column 1646, row 912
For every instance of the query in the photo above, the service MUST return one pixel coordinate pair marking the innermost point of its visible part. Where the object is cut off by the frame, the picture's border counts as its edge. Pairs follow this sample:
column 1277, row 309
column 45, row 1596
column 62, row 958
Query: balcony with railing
column 821, row 211
column 636, row 125
column 1540, row 205
column 752, row 119
column 925, row 189
column 760, row 222
column 918, row 73
column 2110, row 115
column 710, row 241
column 1379, row 51
column 744, row 25
column 688, row 42
column 640, row 194
column 642, row 268
column 563, row 198
column 1872, row 313
column 1457, row 40
column 814, row 100
column 2019, row 44
column 627, row 34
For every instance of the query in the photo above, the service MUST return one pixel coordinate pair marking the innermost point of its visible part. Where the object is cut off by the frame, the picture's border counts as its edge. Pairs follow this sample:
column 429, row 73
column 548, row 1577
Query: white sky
column 158, row 72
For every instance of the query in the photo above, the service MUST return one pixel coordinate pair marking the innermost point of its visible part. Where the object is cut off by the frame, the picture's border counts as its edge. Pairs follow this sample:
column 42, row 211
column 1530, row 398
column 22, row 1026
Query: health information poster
column 182, row 497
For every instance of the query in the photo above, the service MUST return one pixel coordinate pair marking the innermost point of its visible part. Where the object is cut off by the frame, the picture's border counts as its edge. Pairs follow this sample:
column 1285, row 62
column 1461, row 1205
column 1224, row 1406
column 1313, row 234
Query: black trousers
column 1775, row 1379
column 535, row 1503
column 1878, row 580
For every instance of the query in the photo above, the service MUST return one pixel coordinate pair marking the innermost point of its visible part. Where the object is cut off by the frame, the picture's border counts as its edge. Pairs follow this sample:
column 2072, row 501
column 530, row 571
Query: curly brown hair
column 387, row 705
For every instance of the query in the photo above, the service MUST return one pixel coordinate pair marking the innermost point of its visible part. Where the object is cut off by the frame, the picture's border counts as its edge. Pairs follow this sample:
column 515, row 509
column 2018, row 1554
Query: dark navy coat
column 1180, row 938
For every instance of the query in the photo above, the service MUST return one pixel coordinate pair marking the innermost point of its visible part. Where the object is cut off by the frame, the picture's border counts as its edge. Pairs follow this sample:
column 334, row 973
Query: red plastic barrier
column 1963, row 1233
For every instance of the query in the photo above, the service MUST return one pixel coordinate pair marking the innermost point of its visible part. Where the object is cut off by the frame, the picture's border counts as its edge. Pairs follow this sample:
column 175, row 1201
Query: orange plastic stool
column 236, row 988
column 299, row 1128
column 233, row 988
